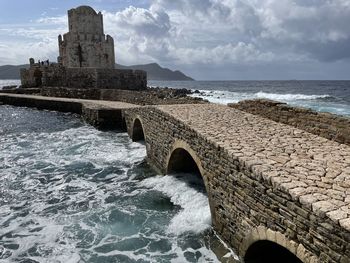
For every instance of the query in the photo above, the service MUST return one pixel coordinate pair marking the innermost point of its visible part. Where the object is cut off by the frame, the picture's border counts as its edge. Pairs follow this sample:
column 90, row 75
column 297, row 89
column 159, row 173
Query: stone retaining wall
column 34, row 102
column 245, row 206
column 55, row 75
column 101, row 114
column 61, row 92
column 21, row 91
column 327, row 125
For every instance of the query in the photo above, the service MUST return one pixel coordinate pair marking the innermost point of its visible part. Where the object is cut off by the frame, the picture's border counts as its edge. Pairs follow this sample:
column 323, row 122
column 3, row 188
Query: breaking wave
column 71, row 193
column 224, row 97
column 9, row 82
column 194, row 215
column 289, row 97
column 323, row 102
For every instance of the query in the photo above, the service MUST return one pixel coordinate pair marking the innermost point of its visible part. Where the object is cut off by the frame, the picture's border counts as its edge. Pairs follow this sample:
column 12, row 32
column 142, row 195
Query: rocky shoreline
column 324, row 124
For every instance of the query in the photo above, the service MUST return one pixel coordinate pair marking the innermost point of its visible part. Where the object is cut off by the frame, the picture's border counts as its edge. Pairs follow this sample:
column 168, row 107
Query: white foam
column 289, row 97
column 221, row 97
column 195, row 213
column 9, row 82
column 225, row 97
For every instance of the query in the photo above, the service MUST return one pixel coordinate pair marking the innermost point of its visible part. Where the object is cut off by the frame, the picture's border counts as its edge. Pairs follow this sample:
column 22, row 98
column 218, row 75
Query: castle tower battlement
column 86, row 59
column 86, row 45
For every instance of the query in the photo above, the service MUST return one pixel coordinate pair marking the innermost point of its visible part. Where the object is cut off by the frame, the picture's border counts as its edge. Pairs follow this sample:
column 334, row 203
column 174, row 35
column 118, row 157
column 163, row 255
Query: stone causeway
column 267, row 182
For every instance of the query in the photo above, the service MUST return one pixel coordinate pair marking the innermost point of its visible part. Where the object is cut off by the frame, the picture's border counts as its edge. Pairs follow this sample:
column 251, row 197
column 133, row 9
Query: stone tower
column 86, row 45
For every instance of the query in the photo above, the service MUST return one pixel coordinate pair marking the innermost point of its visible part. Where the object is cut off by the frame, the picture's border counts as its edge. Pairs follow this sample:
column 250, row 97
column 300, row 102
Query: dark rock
column 327, row 125
column 10, row 87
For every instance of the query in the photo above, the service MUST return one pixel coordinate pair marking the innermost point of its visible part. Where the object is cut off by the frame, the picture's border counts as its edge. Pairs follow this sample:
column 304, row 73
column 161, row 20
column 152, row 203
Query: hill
column 10, row 71
column 154, row 72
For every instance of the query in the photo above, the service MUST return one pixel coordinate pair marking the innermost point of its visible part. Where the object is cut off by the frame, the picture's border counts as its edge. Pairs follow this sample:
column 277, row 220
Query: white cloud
column 56, row 20
column 21, row 52
column 227, row 54
column 208, row 32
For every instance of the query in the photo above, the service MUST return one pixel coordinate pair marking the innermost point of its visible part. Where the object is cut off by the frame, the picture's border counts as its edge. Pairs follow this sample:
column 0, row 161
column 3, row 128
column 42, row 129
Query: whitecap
column 289, row 97
column 194, row 215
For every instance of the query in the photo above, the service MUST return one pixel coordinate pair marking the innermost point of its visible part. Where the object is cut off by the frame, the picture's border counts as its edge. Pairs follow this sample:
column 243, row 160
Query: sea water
column 71, row 193
column 325, row 96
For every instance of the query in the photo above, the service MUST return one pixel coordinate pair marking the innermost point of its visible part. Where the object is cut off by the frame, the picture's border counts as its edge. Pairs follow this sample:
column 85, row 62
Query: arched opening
column 137, row 131
column 181, row 162
column 265, row 251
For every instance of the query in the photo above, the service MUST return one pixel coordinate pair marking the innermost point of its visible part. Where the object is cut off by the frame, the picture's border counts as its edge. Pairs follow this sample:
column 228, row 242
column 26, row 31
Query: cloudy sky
column 207, row 39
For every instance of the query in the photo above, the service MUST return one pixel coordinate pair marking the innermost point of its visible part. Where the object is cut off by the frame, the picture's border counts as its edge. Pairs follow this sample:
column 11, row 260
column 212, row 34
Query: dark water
column 71, row 193
column 329, row 96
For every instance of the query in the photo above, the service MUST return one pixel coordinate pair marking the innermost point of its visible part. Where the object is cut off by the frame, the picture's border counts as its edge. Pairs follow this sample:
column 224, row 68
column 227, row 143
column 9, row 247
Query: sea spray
column 317, row 102
column 289, row 97
column 194, row 215
column 224, row 97
column 71, row 193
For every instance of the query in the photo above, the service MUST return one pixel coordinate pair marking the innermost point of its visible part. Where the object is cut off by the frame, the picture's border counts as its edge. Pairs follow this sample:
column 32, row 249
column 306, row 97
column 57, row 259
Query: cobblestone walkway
column 98, row 104
column 311, row 169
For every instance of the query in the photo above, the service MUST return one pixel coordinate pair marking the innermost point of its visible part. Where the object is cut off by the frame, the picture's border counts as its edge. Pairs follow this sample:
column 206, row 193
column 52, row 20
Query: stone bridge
column 276, row 193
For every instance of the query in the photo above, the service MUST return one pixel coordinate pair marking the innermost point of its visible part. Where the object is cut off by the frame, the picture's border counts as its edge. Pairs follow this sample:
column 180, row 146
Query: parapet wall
column 327, row 125
column 61, row 92
column 247, row 203
column 55, row 75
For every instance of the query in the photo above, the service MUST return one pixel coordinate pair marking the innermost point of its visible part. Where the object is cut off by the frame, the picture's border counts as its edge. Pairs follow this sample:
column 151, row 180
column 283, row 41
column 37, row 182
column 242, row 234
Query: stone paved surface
column 311, row 169
column 267, row 180
column 101, row 114
column 90, row 103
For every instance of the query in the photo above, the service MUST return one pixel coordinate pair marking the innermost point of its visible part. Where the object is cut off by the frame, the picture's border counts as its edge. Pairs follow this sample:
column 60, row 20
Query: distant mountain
column 154, row 72
column 11, row 72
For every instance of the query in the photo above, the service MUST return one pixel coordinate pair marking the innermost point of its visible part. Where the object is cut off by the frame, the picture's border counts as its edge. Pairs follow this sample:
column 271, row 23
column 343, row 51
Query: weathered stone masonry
column 265, row 181
column 101, row 114
column 327, row 125
column 86, row 45
column 86, row 59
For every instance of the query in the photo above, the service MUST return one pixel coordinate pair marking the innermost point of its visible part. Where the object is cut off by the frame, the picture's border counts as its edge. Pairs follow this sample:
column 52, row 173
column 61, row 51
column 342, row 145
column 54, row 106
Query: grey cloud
column 317, row 28
column 140, row 21
column 254, row 34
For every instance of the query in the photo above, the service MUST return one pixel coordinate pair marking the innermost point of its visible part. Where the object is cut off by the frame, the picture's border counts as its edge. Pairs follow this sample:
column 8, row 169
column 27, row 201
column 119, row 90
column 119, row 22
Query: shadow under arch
column 182, row 159
column 262, row 245
column 265, row 251
column 137, row 133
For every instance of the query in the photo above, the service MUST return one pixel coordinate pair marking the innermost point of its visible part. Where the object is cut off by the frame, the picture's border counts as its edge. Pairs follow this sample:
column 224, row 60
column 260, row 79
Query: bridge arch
column 265, row 245
column 182, row 158
column 137, row 130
